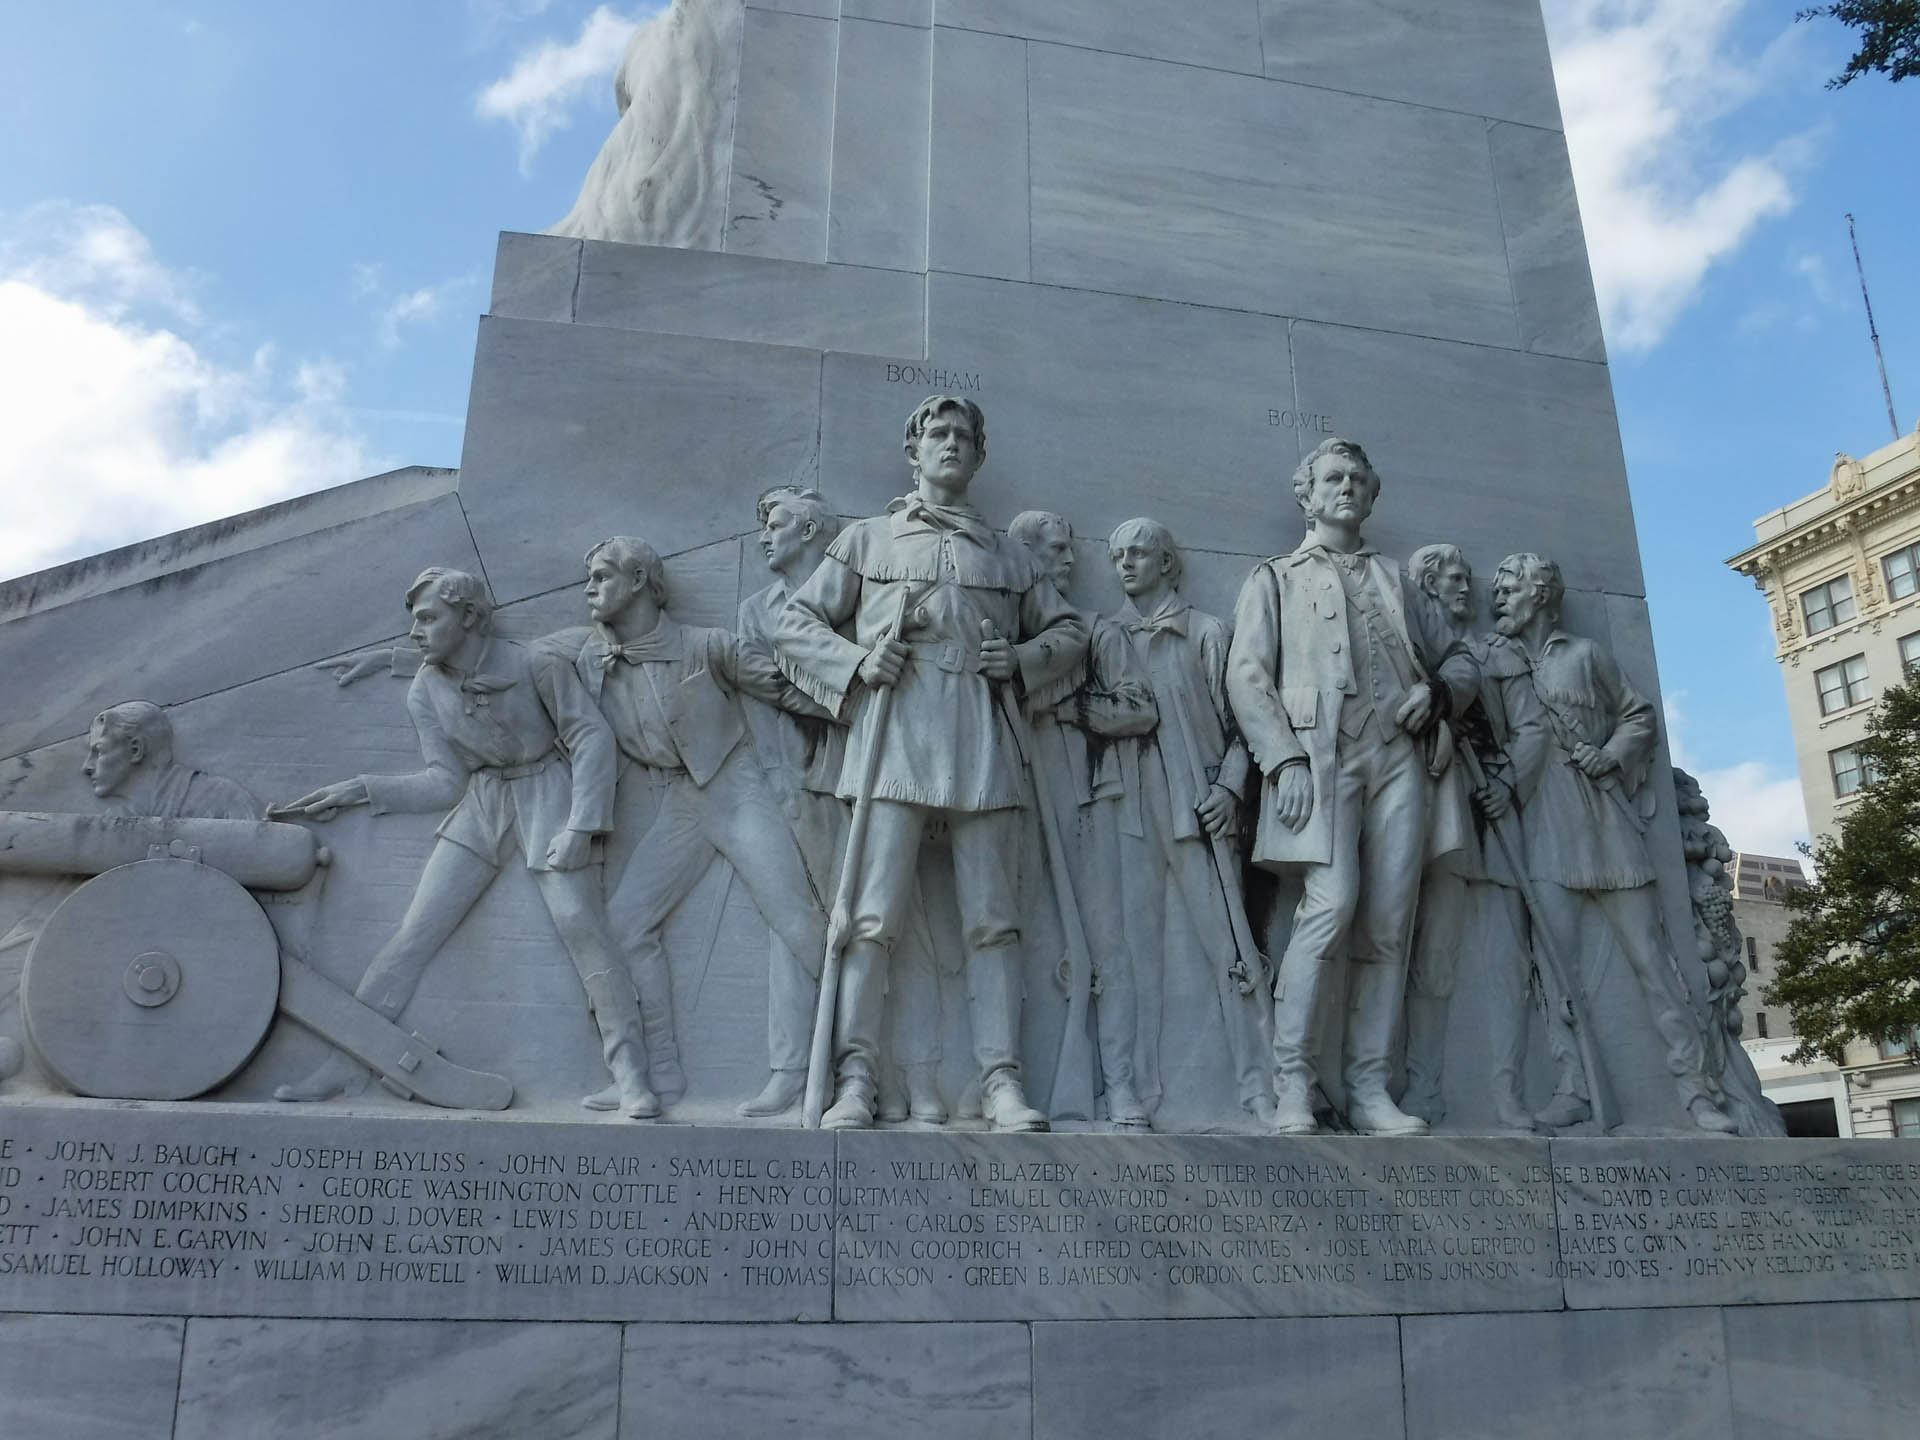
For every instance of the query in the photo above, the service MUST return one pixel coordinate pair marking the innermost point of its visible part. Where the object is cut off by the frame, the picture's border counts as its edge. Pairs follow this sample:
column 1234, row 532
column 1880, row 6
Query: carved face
column 1140, row 566
column 947, row 452
column 1452, row 586
column 111, row 758
column 1515, row 602
column 1343, row 490
column 783, row 539
column 610, row 588
column 1053, row 548
column 438, row 627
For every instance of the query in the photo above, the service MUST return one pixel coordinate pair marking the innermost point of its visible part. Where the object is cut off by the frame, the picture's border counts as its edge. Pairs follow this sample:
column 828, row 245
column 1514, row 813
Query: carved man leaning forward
column 944, row 611
column 130, row 764
column 517, row 750
column 1333, row 680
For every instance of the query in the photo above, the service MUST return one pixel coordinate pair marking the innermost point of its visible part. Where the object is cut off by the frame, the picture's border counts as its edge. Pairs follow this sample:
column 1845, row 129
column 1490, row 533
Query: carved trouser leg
column 573, row 900
column 1446, row 903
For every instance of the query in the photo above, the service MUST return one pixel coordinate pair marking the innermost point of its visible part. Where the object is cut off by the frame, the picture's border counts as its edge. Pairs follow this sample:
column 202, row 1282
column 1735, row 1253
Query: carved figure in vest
column 1333, row 689
column 1581, row 780
column 1470, row 902
column 516, row 747
column 948, row 614
column 1191, row 778
column 1087, row 752
column 671, row 694
column 801, row 749
column 130, row 763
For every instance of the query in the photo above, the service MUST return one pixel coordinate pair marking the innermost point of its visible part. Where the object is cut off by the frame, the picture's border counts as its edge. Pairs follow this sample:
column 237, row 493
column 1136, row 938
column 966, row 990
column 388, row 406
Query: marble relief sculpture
column 130, row 764
column 945, row 612
column 1336, row 693
column 520, row 758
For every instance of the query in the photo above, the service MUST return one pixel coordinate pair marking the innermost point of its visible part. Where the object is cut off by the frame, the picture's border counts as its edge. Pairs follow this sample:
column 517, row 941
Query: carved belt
column 518, row 772
column 955, row 659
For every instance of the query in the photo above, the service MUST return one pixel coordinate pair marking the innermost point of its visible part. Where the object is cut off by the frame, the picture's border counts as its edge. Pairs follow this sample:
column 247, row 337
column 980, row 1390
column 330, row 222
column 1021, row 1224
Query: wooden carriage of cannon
column 160, row 977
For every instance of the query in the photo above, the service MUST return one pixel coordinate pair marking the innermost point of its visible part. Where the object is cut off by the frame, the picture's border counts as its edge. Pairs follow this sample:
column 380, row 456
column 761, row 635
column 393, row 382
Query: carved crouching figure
column 130, row 763
column 943, row 611
column 1332, row 689
column 514, row 745
column 670, row 692
column 1584, row 802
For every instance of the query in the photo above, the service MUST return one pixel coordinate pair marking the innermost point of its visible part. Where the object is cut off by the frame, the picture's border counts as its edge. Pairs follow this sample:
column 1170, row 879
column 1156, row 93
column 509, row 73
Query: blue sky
column 243, row 248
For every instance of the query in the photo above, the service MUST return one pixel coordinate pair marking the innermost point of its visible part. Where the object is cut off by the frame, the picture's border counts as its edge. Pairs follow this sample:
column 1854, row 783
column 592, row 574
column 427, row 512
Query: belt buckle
column 951, row 659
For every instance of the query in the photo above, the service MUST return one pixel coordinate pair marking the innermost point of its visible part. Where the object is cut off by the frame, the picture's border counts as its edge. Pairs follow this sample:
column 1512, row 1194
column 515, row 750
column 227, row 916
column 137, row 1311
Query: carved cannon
column 159, row 978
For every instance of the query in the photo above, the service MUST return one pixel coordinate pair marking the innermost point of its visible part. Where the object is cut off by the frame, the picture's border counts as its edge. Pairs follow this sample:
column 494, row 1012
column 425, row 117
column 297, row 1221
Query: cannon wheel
column 153, row 981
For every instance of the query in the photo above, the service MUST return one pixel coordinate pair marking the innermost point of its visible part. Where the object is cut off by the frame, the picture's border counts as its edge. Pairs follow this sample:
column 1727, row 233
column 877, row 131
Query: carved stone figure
column 670, row 692
column 1333, row 688
column 1087, row 752
column 1581, row 780
column 130, row 762
column 516, row 748
column 944, row 612
column 1717, row 943
column 1183, row 869
column 801, row 749
column 1470, row 897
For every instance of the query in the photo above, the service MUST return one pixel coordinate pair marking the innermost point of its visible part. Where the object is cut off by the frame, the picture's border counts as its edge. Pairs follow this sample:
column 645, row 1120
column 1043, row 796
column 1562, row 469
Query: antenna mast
column 1878, row 358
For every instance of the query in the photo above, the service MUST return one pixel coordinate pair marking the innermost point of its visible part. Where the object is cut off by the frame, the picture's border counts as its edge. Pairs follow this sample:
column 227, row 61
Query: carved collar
column 916, row 512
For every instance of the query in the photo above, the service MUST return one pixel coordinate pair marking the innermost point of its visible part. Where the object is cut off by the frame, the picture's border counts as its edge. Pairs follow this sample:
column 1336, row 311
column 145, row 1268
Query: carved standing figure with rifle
column 944, row 612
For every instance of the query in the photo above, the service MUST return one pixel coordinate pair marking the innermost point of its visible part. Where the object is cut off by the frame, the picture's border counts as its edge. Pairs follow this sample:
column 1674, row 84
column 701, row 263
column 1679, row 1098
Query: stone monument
column 1054, row 980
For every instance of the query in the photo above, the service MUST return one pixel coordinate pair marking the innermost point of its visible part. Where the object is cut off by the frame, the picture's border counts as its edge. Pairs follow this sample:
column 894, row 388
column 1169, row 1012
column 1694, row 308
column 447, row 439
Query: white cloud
column 395, row 309
column 1643, row 85
column 1757, row 808
column 539, row 94
column 115, row 426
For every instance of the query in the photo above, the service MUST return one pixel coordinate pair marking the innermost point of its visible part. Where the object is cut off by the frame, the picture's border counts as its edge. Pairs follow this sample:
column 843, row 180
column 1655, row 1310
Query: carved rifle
column 840, row 920
column 1559, row 974
column 1071, row 1097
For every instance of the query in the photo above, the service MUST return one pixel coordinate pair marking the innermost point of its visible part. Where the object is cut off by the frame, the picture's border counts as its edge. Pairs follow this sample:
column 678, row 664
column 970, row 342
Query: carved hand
column 1493, row 801
column 570, row 850
column 1218, row 810
column 1595, row 763
column 1294, row 800
column 349, row 668
column 1415, row 710
column 328, row 800
column 997, row 660
column 884, row 663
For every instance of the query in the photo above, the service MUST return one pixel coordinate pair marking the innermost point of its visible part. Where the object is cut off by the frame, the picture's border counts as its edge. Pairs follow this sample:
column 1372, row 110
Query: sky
column 243, row 248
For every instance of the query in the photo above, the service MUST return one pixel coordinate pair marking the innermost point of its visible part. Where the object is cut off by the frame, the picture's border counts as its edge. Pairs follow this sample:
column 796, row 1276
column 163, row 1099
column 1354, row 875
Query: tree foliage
column 1850, row 963
column 1888, row 34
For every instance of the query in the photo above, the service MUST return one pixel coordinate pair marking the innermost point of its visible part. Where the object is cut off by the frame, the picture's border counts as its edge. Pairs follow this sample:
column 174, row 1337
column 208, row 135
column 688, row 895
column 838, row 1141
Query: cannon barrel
column 260, row 854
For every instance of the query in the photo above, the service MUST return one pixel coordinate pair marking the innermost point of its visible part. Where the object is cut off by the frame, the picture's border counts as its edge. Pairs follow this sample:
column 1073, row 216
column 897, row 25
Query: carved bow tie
column 1174, row 621
column 651, row 646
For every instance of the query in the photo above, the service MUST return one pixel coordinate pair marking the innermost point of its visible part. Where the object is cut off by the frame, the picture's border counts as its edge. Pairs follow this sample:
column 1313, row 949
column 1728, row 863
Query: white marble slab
column 1076, row 1226
column 747, row 297
column 1736, row 1222
column 1546, row 250
column 1570, row 1376
column 579, row 432
column 1485, row 57
column 894, row 12
column 978, row 194
column 856, row 1382
column 535, row 277
column 878, row 196
column 1217, row 189
column 1491, row 449
column 1842, row 1372
column 783, row 137
column 427, row 1380
column 1219, row 34
column 822, row 9
column 1276, row 1379
column 88, row 1377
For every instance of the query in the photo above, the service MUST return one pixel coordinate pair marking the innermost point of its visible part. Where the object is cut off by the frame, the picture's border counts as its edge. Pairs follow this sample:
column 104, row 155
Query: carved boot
column 655, row 983
column 853, row 1104
column 1509, row 1113
column 923, row 1095
column 1426, row 1041
column 1295, row 997
column 1125, row 1110
column 1005, row 1104
column 1373, row 1015
column 781, row 1093
column 1709, row 1116
column 1564, row 1109
column 629, row 1093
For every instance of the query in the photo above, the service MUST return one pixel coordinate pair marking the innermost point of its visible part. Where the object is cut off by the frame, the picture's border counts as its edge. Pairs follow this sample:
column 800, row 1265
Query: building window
column 1909, row 653
column 1753, row 957
column 1906, row 1119
column 1840, row 686
column 1828, row 605
column 1850, row 772
column 1896, row 1047
column 1760, row 1023
column 1902, row 569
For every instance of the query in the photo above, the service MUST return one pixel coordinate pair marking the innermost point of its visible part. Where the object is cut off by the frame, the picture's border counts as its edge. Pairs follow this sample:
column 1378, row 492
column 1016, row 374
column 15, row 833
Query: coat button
column 1336, row 647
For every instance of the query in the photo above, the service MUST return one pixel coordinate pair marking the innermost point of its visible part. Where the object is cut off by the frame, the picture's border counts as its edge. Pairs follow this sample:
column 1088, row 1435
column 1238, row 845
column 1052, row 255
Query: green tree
column 1850, row 963
column 1888, row 33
